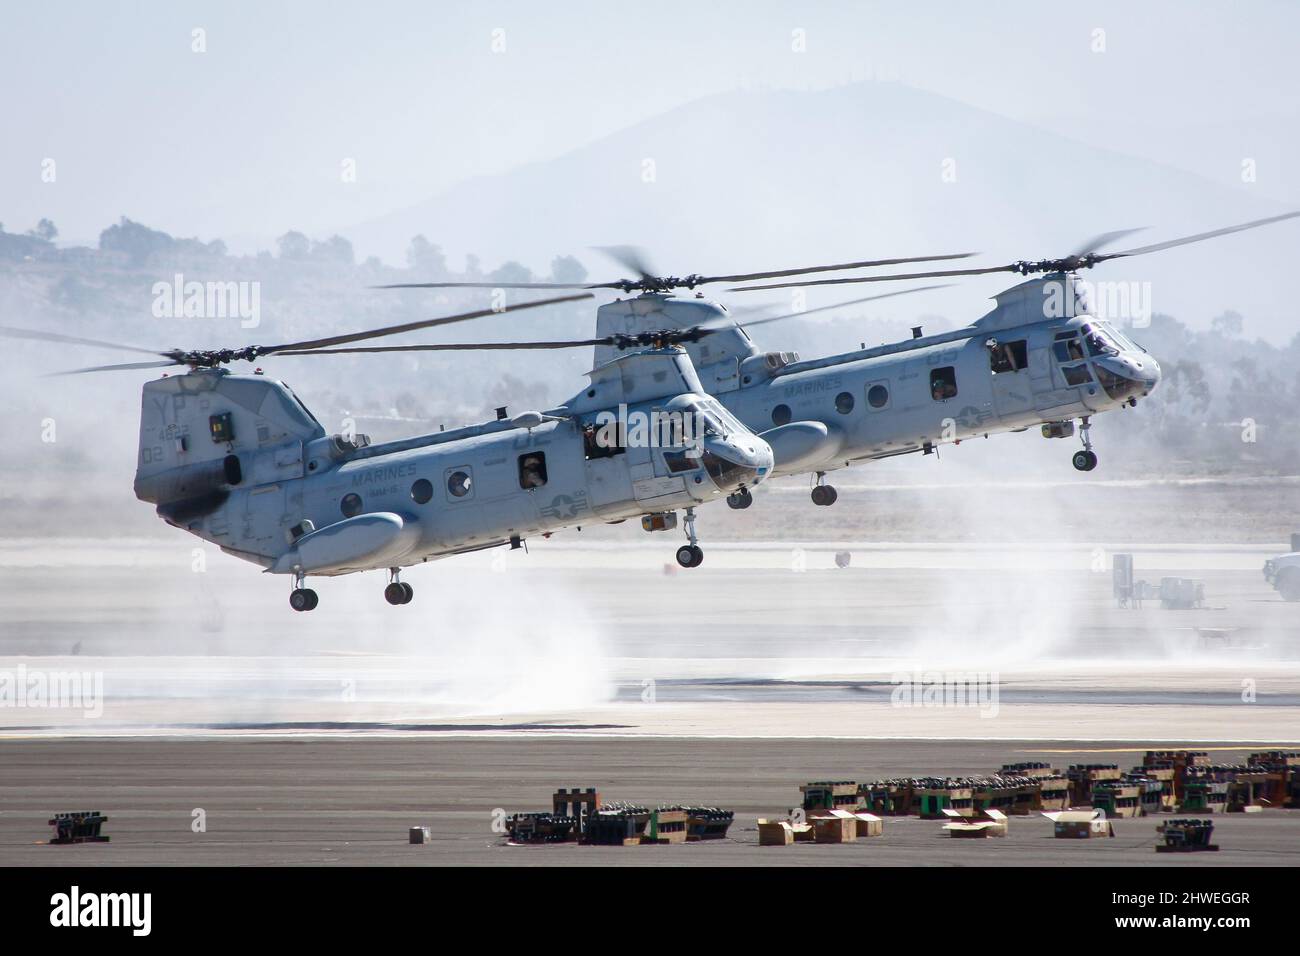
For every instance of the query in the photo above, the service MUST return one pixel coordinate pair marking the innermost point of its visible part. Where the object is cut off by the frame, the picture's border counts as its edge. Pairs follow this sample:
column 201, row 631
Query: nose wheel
column 740, row 500
column 397, row 592
column 690, row 555
column 1085, row 460
column 301, row 598
column 823, row 495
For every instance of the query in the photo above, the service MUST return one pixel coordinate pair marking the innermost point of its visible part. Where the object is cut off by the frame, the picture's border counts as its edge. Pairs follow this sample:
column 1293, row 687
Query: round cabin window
column 878, row 396
column 422, row 491
column 459, row 484
column 844, row 403
column 781, row 415
column 350, row 505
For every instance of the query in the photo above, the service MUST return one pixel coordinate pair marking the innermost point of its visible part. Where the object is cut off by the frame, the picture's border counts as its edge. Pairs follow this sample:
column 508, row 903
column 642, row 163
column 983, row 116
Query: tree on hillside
column 510, row 272
column 1229, row 324
column 45, row 231
column 138, row 242
column 568, row 270
column 334, row 249
column 293, row 245
column 426, row 258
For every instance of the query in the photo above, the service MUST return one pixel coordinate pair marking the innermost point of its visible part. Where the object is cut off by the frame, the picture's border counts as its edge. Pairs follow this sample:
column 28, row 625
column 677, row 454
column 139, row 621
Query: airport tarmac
column 312, row 801
column 321, row 737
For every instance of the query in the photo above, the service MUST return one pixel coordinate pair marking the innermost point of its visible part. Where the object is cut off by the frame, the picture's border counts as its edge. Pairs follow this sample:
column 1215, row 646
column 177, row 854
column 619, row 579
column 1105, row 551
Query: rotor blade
column 710, row 326
column 496, row 285
column 115, row 368
column 313, row 344
column 457, row 347
column 867, row 264
column 40, row 335
column 1171, row 243
column 632, row 258
column 886, row 278
column 1104, row 239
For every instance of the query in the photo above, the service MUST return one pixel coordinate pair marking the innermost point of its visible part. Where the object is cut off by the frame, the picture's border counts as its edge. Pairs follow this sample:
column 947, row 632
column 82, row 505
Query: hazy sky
column 247, row 139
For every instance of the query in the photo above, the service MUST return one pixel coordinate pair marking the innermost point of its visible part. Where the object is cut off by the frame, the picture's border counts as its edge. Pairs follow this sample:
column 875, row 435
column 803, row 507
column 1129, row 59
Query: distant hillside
column 752, row 180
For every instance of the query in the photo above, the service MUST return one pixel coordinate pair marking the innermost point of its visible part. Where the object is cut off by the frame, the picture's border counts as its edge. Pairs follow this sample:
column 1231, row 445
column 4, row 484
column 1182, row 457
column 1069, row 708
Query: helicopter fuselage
column 1019, row 366
column 238, row 460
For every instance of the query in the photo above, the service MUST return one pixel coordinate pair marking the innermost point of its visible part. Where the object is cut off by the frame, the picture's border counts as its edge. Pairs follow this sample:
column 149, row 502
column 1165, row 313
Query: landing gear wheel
column 824, row 496
column 303, row 599
column 690, row 556
column 740, row 500
column 408, row 592
column 395, row 593
column 1085, row 460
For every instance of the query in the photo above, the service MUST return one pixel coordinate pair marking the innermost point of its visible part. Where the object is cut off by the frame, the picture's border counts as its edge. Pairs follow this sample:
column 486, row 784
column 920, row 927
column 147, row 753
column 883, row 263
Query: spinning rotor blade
column 941, row 274
column 457, row 347
column 39, row 335
column 115, row 368
column 1084, row 260
column 632, row 257
column 718, row 324
column 1186, row 240
column 210, row 358
column 313, row 344
column 627, row 340
column 1105, row 239
column 868, row 264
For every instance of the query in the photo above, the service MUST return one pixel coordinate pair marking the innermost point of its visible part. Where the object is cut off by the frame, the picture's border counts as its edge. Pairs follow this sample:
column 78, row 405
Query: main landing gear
column 691, row 555
column 823, row 495
column 397, row 592
column 1085, row 460
column 301, row 598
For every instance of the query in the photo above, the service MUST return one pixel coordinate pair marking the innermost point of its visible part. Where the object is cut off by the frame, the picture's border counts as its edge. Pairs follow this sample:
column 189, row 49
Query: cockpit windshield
column 715, row 420
column 1100, row 341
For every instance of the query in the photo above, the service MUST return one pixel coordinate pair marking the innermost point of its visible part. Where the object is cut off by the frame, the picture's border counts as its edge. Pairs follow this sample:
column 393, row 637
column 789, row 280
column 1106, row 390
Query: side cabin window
column 603, row 440
column 679, row 461
column 1009, row 356
column 943, row 383
column 1076, row 375
column 1069, row 350
column 532, row 469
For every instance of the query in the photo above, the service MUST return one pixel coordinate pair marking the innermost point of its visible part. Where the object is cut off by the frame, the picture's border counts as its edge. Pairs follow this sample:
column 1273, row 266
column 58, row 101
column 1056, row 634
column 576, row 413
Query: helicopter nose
column 1152, row 373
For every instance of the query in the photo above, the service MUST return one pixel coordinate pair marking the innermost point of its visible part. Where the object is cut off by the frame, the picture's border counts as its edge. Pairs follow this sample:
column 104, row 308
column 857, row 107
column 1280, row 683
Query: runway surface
column 321, row 737
column 350, row 802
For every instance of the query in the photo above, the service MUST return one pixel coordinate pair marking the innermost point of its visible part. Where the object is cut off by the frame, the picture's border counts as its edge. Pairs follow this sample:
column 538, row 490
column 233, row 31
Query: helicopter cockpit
column 708, row 434
column 1096, row 351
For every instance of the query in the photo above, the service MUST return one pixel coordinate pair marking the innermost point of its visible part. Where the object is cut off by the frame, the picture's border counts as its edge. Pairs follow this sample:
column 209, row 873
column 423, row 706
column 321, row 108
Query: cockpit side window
column 1070, row 350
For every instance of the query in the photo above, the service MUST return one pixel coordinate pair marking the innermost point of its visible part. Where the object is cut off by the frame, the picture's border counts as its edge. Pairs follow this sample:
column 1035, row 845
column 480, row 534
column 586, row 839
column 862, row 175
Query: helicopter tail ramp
column 208, row 432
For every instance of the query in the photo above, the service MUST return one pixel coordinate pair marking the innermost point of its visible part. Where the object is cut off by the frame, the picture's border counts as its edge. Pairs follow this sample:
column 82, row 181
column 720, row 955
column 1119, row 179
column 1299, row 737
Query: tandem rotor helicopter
column 1038, row 358
column 681, row 408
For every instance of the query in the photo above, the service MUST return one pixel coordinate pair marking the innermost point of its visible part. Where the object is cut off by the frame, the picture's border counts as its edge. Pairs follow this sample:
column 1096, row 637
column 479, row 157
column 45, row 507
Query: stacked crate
column 1119, row 798
column 1084, row 778
column 829, row 795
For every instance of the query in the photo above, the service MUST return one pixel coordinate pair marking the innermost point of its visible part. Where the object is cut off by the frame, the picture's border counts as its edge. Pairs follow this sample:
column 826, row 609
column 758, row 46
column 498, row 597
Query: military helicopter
column 1038, row 358
column 239, row 460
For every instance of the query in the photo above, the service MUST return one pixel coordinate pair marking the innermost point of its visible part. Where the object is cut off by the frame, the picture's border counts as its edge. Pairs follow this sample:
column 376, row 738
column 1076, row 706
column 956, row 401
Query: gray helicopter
column 239, row 460
column 1039, row 358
